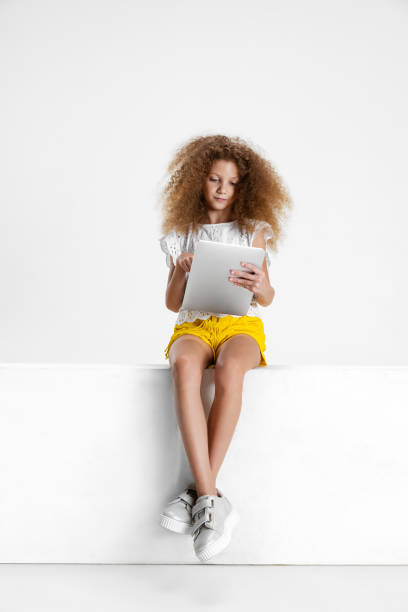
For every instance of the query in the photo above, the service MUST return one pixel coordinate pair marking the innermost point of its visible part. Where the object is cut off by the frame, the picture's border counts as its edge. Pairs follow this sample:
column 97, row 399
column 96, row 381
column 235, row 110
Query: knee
column 229, row 373
column 184, row 368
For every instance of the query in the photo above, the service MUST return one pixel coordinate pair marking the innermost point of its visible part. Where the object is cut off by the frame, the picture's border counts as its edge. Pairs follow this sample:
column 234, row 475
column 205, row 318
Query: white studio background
column 95, row 98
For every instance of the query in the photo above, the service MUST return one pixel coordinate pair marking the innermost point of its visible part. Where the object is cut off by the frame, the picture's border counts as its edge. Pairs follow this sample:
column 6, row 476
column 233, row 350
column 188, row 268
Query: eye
column 214, row 179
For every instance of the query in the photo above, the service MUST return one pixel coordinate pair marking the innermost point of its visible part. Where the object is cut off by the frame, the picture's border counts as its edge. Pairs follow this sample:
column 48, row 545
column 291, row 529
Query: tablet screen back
column 208, row 288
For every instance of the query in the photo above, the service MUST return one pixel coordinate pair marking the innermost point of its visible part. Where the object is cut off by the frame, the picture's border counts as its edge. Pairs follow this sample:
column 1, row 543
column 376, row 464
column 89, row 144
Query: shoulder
column 261, row 228
column 173, row 236
column 259, row 224
column 262, row 236
column 172, row 244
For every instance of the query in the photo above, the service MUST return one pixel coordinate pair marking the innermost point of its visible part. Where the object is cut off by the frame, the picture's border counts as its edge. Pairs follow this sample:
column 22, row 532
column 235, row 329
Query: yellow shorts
column 215, row 330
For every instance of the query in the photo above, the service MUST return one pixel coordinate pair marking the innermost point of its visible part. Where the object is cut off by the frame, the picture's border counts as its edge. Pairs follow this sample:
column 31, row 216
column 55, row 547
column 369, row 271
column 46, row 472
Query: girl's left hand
column 254, row 279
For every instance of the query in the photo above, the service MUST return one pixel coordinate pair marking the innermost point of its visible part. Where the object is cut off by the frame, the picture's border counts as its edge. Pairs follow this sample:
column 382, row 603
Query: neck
column 211, row 218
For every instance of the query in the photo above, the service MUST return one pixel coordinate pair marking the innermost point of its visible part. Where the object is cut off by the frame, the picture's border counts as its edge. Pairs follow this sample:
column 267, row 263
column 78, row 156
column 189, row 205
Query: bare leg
column 188, row 357
column 234, row 358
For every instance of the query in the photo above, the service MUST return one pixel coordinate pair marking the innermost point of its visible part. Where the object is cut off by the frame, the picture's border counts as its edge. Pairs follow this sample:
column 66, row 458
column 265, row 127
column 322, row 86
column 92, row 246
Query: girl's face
column 220, row 185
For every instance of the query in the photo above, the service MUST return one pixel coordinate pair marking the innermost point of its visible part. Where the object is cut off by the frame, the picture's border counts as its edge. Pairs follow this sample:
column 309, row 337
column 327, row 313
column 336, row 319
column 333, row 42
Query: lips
column 222, row 199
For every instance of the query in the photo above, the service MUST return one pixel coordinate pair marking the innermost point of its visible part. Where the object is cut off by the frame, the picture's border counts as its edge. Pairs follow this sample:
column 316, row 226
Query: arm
column 266, row 293
column 176, row 286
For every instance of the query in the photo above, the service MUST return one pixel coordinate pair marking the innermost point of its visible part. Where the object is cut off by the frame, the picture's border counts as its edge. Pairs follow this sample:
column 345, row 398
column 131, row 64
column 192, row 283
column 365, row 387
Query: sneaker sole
column 216, row 547
column 174, row 525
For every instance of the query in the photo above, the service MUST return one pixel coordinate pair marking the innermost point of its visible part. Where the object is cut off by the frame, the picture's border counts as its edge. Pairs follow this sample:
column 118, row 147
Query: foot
column 214, row 519
column 177, row 515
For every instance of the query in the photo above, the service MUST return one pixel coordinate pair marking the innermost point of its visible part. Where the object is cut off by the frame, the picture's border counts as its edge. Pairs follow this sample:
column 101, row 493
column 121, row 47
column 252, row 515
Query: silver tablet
column 208, row 288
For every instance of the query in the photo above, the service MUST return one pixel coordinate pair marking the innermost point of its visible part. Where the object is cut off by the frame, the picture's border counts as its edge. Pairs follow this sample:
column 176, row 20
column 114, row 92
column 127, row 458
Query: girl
column 219, row 189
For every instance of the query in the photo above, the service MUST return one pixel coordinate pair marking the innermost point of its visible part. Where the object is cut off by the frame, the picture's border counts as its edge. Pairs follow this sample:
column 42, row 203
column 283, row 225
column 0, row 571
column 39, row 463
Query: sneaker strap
column 200, row 518
column 187, row 497
column 206, row 501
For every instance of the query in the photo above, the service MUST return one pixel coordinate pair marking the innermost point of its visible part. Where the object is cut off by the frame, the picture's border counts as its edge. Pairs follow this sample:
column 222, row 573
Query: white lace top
column 174, row 243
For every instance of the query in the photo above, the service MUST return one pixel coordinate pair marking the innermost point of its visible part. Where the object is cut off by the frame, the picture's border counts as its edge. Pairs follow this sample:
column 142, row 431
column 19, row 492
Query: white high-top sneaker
column 214, row 519
column 176, row 516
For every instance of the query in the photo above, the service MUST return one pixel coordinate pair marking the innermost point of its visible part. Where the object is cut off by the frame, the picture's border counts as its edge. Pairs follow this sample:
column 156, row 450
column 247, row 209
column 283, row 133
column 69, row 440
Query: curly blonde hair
column 260, row 193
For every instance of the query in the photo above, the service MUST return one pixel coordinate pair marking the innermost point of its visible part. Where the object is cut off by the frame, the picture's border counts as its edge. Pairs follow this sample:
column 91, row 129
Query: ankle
column 207, row 491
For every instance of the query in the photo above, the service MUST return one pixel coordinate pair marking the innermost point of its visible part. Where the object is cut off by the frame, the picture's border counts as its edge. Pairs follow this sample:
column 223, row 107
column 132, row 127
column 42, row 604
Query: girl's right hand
column 184, row 261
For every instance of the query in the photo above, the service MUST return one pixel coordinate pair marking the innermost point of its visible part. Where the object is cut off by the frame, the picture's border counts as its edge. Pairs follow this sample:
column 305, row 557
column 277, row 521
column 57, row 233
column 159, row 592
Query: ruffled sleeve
column 268, row 235
column 170, row 244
